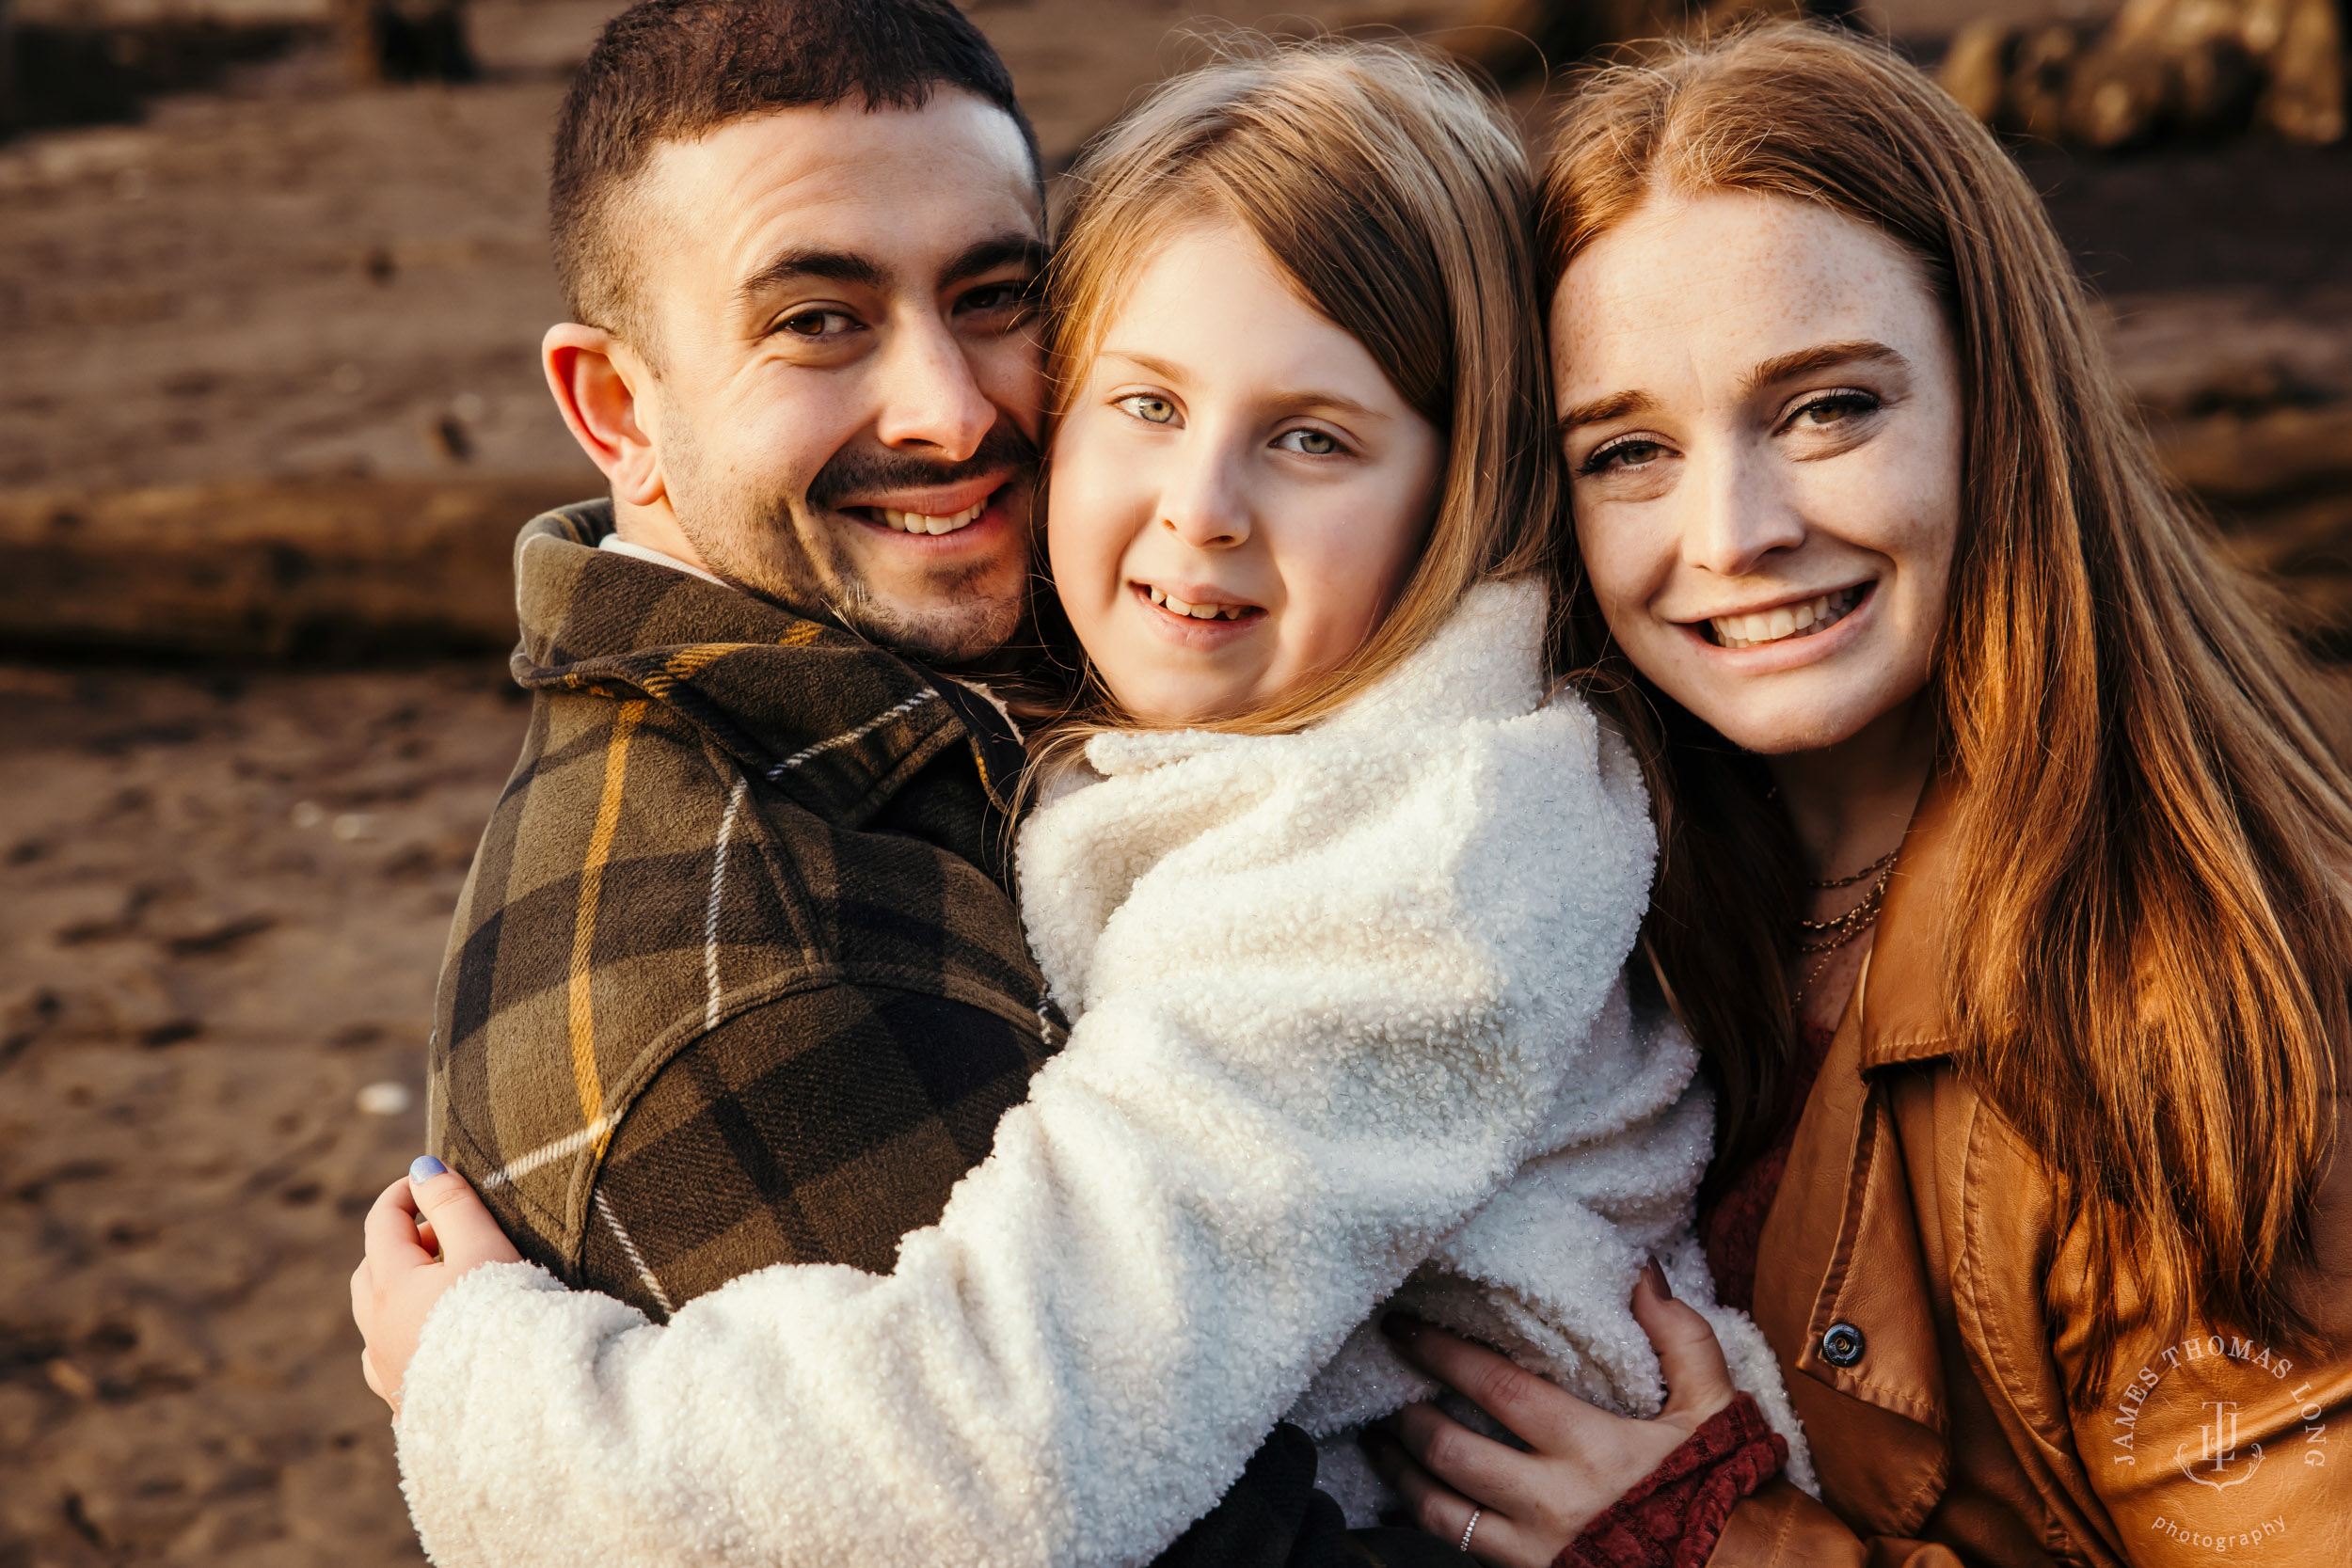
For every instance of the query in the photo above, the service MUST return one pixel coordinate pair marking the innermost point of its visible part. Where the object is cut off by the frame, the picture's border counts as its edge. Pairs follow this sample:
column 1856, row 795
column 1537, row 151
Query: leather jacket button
column 1842, row 1346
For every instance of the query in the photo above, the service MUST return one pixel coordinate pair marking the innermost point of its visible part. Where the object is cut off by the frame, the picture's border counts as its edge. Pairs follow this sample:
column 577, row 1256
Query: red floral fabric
column 1731, row 1227
column 1673, row 1518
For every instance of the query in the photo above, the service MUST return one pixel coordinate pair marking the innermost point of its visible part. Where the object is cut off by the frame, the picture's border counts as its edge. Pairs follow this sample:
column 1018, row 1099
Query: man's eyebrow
column 837, row 267
column 1823, row 357
column 998, row 251
column 1337, row 402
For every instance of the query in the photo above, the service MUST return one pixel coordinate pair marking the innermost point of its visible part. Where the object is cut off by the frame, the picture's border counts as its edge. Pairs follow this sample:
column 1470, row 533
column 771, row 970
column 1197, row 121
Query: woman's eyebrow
column 1616, row 405
column 1804, row 361
column 1823, row 357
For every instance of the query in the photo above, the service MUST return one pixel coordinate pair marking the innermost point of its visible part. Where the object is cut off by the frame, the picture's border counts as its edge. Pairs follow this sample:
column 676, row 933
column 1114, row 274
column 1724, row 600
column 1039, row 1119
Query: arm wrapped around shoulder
column 1325, row 988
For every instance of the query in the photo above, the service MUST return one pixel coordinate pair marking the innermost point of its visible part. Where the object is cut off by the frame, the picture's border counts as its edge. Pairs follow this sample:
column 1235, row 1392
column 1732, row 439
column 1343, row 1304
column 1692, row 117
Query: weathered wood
column 268, row 570
column 8, row 68
column 2185, row 68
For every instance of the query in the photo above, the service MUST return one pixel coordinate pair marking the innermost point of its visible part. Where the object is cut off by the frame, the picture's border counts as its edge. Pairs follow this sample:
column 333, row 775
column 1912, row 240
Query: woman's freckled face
column 1237, row 493
column 1762, row 411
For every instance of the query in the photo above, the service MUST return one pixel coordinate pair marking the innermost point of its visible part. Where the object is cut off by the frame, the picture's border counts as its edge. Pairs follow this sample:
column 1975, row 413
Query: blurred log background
column 272, row 280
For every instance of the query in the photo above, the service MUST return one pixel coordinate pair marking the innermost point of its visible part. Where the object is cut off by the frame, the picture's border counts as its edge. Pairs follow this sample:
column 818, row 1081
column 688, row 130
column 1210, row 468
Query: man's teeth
column 915, row 522
column 1771, row 626
column 1200, row 611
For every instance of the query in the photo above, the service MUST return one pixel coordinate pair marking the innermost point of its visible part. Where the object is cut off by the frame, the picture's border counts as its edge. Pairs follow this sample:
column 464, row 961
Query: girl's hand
column 1533, row 1505
column 426, row 1229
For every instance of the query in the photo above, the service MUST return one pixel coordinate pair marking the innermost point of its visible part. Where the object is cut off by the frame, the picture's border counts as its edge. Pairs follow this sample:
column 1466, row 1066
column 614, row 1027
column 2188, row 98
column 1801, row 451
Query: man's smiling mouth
column 915, row 522
column 1779, row 625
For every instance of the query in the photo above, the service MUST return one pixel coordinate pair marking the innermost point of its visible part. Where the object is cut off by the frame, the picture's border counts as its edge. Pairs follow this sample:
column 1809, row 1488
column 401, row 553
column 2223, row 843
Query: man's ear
column 594, row 379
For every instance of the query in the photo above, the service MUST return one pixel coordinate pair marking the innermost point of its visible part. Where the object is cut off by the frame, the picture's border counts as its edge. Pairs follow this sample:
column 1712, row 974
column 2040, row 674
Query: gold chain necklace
column 1828, row 936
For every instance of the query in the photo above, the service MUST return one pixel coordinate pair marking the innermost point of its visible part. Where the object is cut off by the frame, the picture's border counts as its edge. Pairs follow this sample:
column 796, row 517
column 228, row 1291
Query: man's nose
column 931, row 397
column 1738, row 516
column 1204, row 501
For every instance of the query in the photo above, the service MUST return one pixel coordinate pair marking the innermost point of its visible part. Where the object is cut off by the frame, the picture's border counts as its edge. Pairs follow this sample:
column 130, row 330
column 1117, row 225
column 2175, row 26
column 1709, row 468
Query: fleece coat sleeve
column 1326, row 989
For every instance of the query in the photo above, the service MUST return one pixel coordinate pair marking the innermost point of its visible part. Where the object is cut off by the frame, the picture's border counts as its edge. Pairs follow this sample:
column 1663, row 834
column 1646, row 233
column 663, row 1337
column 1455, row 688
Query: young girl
column 1334, row 899
column 2006, row 881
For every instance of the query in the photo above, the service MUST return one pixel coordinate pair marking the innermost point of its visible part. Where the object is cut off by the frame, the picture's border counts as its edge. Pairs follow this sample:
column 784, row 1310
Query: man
column 737, row 979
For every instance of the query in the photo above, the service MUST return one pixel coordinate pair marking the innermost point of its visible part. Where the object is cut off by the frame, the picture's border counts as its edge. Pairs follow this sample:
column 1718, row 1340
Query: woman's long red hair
column 2149, row 949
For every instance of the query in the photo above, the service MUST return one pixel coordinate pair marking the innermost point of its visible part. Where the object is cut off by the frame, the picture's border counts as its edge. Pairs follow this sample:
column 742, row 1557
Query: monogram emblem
column 2219, row 1463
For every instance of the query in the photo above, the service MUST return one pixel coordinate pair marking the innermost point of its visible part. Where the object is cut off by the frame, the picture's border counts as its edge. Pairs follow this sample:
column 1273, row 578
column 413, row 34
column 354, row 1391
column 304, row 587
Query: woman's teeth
column 1199, row 612
column 1771, row 626
column 914, row 522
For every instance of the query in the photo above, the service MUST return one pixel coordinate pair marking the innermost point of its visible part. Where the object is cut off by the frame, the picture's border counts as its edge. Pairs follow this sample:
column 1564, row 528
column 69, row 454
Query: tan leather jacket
column 1925, row 1318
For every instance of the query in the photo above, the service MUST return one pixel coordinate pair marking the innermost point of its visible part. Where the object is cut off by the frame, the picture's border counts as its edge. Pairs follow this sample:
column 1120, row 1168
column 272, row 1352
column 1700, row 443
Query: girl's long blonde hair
column 1399, row 202
column 2148, row 952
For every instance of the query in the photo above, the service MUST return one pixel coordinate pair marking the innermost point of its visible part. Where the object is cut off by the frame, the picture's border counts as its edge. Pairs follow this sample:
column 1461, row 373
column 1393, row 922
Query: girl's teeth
column 1771, row 626
column 915, row 522
column 1198, row 611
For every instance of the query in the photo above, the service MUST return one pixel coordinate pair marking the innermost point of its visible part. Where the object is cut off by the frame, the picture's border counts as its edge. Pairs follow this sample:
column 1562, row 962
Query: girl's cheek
column 1080, row 532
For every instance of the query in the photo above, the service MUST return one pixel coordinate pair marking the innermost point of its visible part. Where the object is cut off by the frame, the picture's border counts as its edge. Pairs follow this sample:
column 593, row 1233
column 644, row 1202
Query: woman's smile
column 1803, row 616
column 1787, row 633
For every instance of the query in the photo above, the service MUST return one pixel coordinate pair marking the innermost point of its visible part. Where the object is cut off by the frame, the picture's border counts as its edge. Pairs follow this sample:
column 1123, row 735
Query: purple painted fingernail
column 1657, row 1279
column 425, row 1169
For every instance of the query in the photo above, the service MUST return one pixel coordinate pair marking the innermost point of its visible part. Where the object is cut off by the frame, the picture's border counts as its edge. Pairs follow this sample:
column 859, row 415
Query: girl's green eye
column 1151, row 410
column 1314, row 443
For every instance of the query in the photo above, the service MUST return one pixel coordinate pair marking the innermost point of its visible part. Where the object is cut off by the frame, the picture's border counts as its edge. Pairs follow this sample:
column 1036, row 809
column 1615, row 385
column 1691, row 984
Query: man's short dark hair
column 673, row 70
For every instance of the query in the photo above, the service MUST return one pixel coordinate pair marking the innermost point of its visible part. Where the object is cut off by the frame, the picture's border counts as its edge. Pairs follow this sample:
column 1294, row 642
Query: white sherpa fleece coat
column 1329, row 991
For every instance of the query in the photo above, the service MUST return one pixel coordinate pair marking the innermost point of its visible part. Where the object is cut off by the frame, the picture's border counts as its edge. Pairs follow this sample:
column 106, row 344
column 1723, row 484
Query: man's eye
column 1314, row 443
column 997, row 296
column 816, row 323
column 1151, row 410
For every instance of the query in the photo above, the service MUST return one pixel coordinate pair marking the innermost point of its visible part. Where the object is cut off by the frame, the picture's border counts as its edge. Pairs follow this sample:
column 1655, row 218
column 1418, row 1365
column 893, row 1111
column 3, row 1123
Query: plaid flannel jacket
column 737, row 977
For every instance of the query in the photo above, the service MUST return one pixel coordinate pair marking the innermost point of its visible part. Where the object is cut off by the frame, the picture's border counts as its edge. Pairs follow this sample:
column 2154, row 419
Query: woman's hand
column 426, row 1228
column 1531, row 1505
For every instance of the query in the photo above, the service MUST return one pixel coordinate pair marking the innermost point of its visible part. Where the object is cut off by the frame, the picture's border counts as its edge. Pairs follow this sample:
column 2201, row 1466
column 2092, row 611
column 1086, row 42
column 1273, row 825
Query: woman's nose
column 1740, row 517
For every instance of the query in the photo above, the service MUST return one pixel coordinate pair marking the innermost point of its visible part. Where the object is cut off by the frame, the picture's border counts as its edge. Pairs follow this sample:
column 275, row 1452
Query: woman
column 2003, row 882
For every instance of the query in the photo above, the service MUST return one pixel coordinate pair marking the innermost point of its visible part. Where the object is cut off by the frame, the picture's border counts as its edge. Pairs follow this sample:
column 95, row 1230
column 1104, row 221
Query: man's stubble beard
column 797, row 555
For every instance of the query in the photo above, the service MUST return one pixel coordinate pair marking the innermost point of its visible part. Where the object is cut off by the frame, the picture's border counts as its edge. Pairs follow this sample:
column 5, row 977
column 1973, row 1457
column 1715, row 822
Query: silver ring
column 1463, row 1546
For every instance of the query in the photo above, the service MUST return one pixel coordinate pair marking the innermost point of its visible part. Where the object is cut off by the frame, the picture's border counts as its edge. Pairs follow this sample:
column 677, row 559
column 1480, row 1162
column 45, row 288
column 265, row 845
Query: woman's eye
column 1314, row 443
column 816, row 323
column 1832, row 408
column 1151, row 410
column 1635, row 453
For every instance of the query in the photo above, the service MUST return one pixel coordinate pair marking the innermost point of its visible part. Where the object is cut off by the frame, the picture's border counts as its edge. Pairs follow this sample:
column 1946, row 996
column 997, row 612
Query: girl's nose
column 1205, row 504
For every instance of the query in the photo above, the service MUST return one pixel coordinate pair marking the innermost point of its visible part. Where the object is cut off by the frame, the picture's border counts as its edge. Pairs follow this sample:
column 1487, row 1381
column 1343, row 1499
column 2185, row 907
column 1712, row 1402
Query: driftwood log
column 8, row 68
column 2177, row 68
column 295, row 571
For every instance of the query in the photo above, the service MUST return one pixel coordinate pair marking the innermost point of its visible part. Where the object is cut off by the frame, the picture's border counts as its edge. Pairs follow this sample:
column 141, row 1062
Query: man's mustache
column 853, row 471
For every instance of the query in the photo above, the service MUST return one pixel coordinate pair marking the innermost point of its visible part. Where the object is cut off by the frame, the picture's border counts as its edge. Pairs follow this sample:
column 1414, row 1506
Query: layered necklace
column 1823, row 939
